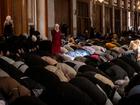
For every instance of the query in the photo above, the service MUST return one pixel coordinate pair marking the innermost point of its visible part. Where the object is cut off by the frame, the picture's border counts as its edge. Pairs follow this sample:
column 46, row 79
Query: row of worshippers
column 102, row 80
column 59, row 79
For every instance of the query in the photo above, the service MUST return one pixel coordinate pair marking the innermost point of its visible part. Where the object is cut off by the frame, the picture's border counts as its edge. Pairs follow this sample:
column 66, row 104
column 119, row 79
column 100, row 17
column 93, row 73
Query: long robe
column 56, row 42
column 8, row 30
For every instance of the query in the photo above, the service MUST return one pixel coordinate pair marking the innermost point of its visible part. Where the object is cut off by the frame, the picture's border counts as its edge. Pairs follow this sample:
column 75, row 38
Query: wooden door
column 98, row 18
column 124, row 20
column 108, row 19
column 83, row 19
column 117, row 21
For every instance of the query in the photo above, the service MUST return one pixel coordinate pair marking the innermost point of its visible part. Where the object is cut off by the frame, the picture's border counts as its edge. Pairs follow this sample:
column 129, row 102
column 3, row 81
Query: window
column 83, row 19
column 83, row 10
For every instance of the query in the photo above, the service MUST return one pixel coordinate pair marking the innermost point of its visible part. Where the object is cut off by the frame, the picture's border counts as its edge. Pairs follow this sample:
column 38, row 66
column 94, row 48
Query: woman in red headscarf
column 56, row 39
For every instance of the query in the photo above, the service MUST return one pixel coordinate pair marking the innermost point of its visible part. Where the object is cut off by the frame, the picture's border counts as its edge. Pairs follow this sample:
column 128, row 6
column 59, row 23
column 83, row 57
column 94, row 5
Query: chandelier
column 100, row 0
column 97, row 0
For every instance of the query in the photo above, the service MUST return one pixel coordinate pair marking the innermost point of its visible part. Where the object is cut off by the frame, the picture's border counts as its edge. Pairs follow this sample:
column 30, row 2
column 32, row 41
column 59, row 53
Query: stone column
column 113, row 19
column 74, row 16
column 91, row 12
column 113, row 16
column 103, row 18
column 24, row 17
column 32, row 14
column 127, row 19
column 135, row 14
column 121, row 26
column 51, row 17
column 35, row 14
column 128, row 15
column 41, row 20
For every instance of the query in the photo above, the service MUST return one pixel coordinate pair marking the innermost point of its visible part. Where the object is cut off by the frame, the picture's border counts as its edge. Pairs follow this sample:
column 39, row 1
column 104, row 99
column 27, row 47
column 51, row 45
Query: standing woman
column 8, row 27
column 56, row 39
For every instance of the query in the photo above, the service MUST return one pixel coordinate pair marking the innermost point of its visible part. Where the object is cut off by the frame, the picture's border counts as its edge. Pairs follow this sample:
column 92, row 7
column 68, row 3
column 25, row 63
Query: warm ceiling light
column 97, row 0
column 100, row 0
column 138, row 5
